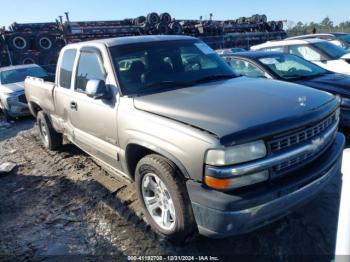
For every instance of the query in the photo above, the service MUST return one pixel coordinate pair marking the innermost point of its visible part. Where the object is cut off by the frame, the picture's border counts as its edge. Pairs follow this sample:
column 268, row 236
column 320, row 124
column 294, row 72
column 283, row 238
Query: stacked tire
column 154, row 24
column 30, row 47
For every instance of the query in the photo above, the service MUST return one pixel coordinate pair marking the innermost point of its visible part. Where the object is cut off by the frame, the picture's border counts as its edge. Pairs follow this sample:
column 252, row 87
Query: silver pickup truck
column 209, row 151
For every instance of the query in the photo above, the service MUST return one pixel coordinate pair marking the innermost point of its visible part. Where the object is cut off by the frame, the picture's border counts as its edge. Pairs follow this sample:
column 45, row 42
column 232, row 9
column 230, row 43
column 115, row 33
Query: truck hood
column 332, row 82
column 13, row 87
column 236, row 105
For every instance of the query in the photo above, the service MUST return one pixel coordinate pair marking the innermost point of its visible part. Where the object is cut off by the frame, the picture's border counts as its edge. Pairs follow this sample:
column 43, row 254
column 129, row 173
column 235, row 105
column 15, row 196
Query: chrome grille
column 302, row 136
column 292, row 162
column 301, row 159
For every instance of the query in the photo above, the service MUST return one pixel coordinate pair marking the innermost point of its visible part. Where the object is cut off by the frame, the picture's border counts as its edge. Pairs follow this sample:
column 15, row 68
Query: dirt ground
column 62, row 205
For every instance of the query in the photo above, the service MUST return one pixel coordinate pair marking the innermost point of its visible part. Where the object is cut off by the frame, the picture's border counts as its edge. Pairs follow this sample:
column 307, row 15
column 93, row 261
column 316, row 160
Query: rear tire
column 50, row 138
column 176, row 202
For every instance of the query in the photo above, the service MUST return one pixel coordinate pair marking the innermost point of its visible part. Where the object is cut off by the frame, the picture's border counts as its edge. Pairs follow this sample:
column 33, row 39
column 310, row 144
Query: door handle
column 74, row 105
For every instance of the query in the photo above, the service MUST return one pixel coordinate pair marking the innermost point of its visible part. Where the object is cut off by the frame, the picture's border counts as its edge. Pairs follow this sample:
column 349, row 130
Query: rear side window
column 89, row 67
column 67, row 68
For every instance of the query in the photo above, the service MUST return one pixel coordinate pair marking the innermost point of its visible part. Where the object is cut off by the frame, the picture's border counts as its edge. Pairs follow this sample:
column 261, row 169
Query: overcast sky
column 296, row 10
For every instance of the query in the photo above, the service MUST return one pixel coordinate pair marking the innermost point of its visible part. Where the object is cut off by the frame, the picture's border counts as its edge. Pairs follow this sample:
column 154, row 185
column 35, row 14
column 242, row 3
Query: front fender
column 160, row 150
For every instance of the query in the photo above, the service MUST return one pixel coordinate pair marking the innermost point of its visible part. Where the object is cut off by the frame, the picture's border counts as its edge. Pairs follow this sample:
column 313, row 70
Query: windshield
column 153, row 66
column 345, row 38
column 291, row 67
column 333, row 51
column 19, row 75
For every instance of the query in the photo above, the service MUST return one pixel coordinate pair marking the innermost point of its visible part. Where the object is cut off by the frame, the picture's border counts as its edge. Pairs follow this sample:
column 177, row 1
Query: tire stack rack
column 37, row 43
column 40, row 43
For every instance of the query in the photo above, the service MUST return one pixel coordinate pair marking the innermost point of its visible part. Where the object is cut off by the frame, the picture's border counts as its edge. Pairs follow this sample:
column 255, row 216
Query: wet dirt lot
column 62, row 205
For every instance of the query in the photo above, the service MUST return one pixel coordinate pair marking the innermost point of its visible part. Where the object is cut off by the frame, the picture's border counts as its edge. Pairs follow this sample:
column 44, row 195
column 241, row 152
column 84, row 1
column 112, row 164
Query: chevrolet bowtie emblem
column 302, row 100
column 317, row 143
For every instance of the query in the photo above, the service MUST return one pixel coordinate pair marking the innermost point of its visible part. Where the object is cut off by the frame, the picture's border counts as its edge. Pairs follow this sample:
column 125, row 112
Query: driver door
column 94, row 120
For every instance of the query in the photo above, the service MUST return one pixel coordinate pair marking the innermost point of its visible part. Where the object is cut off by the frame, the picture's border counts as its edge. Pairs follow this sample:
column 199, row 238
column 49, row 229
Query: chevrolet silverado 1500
column 209, row 151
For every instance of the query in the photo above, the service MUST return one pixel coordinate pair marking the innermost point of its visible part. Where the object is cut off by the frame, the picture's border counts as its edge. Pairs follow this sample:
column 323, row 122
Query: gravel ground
column 60, row 204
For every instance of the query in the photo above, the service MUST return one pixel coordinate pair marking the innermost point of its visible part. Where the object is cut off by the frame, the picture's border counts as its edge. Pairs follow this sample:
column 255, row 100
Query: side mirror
column 96, row 89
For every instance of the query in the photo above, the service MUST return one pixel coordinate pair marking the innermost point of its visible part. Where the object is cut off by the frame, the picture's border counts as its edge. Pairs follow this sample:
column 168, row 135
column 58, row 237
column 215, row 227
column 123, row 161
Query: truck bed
column 40, row 92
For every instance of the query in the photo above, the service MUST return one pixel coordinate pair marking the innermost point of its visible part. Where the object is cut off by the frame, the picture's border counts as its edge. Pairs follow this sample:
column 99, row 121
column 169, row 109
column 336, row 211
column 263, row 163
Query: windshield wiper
column 162, row 85
column 214, row 77
column 167, row 83
column 299, row 77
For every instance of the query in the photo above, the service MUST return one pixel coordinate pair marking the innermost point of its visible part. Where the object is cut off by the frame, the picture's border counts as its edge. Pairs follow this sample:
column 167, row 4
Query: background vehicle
column 12, row 98
column 208, row 150
column 320, row 52
column 339, row 39
column 292, row 68
column 228, row 51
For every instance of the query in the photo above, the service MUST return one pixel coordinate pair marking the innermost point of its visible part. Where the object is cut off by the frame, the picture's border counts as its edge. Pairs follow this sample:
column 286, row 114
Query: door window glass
column 89, row 67
column 67, row 68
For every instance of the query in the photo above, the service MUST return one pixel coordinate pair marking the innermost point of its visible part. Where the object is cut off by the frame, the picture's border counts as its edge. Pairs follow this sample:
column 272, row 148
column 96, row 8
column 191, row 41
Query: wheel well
column 134, row 153
column 34, row 108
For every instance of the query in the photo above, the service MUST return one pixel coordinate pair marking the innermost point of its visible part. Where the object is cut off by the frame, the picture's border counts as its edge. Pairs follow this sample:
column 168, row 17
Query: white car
column 339, row 39
column 13, row 102
column 320, row 52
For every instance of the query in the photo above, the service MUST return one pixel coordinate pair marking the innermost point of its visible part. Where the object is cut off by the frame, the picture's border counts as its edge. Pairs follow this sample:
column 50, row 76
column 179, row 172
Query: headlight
column 236, row 154
column 345, row 102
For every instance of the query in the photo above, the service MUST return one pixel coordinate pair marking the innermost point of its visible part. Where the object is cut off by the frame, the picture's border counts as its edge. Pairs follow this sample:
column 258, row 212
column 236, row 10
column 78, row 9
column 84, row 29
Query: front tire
column 50, row 138
column 162, row 192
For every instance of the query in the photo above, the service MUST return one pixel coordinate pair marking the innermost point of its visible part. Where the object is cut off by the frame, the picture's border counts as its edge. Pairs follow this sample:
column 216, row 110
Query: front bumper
column 220, row 214
column 17, row 109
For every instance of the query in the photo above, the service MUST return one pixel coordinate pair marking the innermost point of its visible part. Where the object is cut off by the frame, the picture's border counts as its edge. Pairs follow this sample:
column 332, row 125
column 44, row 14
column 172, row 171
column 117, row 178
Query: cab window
column 67, row 68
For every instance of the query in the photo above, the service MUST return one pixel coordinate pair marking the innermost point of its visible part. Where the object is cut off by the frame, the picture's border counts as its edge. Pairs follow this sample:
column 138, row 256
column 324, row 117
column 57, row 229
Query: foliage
column 325, row 26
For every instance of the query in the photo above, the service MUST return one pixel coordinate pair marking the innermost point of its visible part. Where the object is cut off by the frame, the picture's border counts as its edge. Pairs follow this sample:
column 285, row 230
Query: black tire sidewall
column 48, row 38
column 54, row 139
column 168, row 175
column 41, row 118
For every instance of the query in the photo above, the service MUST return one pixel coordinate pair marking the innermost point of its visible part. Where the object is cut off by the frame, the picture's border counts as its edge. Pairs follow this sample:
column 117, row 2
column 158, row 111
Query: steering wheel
column 194, row 66
column 292, row 70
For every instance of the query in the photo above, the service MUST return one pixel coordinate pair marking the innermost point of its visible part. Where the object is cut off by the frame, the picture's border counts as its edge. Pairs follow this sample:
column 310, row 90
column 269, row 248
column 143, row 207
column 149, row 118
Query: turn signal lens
column 217, row 183
column 236, row 182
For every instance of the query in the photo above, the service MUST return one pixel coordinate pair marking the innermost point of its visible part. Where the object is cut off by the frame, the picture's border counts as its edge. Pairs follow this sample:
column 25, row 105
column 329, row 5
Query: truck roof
column 136, row 39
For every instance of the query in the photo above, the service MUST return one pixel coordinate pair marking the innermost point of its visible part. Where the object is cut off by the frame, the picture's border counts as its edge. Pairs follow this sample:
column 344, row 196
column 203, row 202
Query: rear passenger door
column 94, row 120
